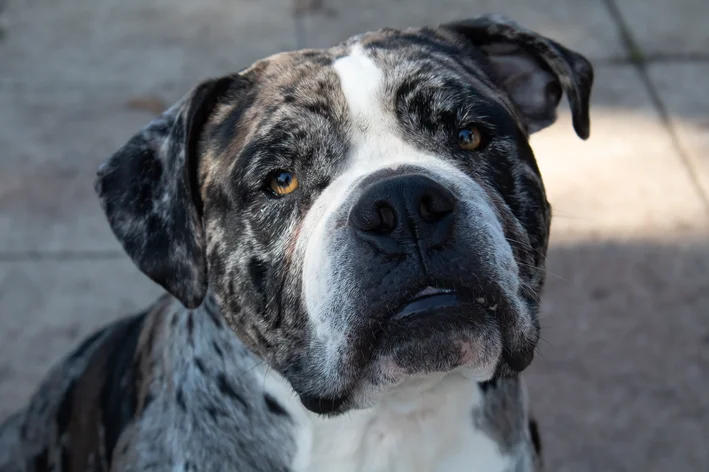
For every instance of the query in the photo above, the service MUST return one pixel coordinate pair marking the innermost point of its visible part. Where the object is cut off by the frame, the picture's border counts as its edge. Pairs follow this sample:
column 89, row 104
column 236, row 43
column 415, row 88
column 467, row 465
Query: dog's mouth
column 426, row 301
column 435, row 331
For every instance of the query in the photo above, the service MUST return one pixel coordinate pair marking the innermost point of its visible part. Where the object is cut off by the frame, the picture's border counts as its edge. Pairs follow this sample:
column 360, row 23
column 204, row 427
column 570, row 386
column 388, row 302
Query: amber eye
column 282, row 183
column 469, row 138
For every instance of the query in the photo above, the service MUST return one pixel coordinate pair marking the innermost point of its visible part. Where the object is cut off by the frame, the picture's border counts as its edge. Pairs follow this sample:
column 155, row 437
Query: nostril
column 435, row 208
column 387, row 219
column 374, row 217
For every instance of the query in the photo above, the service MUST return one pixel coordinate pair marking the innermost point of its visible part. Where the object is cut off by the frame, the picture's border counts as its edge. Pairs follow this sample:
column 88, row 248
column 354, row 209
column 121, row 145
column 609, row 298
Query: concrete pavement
column 621, row 380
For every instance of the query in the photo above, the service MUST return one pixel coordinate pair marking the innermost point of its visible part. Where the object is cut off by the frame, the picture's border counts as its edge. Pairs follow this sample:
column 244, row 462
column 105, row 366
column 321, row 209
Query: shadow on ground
column 620, row 383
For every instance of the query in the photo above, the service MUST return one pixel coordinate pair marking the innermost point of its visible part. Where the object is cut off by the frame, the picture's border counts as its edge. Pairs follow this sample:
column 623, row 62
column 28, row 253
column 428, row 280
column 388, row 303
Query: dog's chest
column 409, row 431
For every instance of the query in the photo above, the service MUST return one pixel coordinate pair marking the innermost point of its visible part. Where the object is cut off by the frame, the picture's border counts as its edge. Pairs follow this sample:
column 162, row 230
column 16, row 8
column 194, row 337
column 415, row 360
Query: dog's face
column 363, row 213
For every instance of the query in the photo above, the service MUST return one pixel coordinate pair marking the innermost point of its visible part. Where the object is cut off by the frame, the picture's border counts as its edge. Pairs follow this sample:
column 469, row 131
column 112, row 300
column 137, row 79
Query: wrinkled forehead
column 309, row 102
column 394, row 59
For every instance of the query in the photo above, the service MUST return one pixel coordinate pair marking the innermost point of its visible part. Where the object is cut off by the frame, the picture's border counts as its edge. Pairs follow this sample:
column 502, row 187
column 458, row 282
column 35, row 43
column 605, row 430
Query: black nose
column 405, row 208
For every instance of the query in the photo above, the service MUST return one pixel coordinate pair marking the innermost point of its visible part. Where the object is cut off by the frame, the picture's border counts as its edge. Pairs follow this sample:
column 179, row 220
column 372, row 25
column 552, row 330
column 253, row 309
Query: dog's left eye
column 469, row 138
column 282, row 183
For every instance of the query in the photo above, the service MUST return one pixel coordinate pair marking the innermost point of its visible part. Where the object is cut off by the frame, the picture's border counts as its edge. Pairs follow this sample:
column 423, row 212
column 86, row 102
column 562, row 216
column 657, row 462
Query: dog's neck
column 412, row 425
column 421, row 424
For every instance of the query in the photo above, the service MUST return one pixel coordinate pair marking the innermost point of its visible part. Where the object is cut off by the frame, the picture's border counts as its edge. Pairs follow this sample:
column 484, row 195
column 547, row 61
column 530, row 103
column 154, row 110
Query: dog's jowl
column 352, row 242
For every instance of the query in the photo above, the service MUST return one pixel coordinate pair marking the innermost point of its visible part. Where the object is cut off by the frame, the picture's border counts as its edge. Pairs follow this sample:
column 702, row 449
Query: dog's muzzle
column 421, row 276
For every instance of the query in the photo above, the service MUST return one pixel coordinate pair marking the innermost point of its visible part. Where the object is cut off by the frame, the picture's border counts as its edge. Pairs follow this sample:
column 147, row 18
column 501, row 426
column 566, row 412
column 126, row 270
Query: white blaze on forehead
column 361, row 83
column 377, row 141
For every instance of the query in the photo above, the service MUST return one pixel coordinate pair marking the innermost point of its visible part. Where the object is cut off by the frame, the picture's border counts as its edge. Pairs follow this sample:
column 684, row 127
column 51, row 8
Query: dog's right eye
column 469, row 138
column 281, row 183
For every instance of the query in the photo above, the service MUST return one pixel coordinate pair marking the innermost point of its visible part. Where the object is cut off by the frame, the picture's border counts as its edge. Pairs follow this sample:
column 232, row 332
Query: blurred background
column 622, row 382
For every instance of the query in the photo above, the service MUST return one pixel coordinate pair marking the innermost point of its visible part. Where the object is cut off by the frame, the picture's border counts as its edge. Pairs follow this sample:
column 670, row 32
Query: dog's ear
column 150, row 194
column 532, row 69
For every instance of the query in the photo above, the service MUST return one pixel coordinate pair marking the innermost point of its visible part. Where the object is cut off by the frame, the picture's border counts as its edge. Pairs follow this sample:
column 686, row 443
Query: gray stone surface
column 47, row 307
column 585, row 26
column 668, row 27
column 684, row 88
column 142, row 43
column 53, row 139
column 620, row 383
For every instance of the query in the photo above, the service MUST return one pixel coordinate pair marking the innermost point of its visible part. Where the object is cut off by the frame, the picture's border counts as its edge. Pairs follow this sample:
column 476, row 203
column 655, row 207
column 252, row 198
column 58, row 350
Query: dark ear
column 149, row 192
column 532, row 69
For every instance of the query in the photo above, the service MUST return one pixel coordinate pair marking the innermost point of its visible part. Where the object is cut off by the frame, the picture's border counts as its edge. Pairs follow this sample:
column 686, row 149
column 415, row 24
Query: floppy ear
column 149, row 192
column 532, row 69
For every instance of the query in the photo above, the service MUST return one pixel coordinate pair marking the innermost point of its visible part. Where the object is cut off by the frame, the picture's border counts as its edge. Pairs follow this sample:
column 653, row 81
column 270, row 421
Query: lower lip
column 428, row 304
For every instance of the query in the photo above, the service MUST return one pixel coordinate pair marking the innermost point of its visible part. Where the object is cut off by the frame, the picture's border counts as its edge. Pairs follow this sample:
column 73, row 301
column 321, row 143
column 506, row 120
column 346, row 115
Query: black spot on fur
column 413, row 101
column 217, row 349
column 257, row 272
column 215, row 318
column 41, row 461
column 23, row 430
column 488, row 384
column 64, row 410
column 149, row 398
column 220, row 202
column 275, row 407
column 200, row 365
column 229, row 127
column 318, row 57
column 84, row 346
column 501, row 178
column 319, row 108
column 227, row 389
column 118, row 395
column 180, row 398
column 65, row 459
column 190, row 466
column 147, row 171
column 190, row 327
column 424, row 38
column 212, row 412
column 536, row 437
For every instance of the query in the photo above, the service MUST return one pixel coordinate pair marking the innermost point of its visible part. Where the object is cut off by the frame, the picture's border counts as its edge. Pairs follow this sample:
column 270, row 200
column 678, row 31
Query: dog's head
column 363, row 213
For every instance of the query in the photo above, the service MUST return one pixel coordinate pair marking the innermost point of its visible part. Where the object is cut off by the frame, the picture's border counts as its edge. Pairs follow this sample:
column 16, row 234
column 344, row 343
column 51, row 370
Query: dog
column 352, row 243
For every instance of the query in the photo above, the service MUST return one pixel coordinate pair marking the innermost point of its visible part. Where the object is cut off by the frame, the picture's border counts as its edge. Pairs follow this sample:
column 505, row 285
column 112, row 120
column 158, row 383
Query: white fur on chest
column 423, row 425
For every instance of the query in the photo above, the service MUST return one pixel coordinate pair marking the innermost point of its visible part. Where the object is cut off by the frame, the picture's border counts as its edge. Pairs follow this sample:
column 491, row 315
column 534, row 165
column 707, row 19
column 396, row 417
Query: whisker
column 543, row 270
column 546, row 341
column 525, row 245
column 247, row 371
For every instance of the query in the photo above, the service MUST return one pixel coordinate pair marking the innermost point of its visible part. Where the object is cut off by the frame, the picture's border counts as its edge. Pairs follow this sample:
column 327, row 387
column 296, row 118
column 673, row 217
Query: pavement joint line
column 60, row 256
column 657, row 58
column 639, row 60
column 689, row 57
